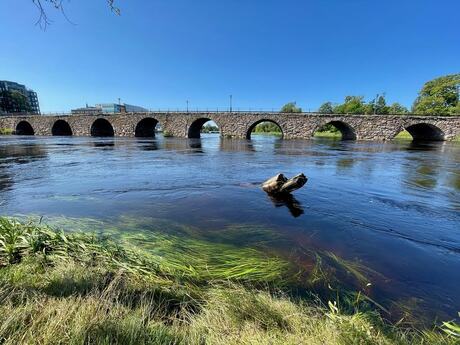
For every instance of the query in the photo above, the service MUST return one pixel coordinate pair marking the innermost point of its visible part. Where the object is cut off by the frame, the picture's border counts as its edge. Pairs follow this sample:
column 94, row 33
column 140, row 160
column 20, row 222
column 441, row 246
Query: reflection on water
column 24, row 151
column 236, row 145
column 148, row 145
column 456, row 180
column 288, row 200
column 390, row 210
column 106, row 142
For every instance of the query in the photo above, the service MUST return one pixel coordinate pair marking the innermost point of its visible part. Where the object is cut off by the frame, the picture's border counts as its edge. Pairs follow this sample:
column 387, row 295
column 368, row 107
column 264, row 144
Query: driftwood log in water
column 274, row 184
column 279, row 184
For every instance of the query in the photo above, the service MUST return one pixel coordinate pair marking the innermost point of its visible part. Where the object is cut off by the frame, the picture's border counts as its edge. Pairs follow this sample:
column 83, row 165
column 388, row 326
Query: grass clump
column 77, row 288
column 6, row 131
column 405, row 135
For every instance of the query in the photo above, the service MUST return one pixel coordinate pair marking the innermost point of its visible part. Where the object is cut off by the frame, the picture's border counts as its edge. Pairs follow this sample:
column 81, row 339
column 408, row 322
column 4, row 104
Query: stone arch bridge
column 235, row 125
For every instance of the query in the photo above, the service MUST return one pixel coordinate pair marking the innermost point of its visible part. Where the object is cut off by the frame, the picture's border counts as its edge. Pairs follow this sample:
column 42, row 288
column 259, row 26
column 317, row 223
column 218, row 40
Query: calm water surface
column 392, row 207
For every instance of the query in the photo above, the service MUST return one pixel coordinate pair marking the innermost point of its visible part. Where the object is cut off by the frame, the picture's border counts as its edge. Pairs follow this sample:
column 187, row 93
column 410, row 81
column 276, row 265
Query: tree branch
column 43, row 20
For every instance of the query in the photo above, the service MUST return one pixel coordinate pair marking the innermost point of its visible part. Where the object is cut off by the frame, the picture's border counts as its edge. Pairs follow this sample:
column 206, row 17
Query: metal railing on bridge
column 182, row 111
column 197, row 111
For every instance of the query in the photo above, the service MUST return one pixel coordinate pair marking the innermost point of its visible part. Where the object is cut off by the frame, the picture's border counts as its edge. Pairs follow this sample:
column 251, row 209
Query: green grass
column 278, row 134
column 81, row 288
column 6, row 131
column 328, row 134
column 405, row 135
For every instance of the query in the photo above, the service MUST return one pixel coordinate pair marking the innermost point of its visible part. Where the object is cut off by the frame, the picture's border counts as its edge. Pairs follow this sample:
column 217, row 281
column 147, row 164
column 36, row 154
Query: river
column 392, row 209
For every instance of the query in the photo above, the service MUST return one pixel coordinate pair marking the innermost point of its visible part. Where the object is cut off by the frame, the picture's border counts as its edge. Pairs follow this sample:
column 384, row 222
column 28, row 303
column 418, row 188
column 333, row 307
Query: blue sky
column 160, row 53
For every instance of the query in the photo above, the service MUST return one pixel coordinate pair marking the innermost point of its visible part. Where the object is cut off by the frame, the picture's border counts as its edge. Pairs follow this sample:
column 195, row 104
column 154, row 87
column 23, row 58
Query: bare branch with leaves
column 43, row 19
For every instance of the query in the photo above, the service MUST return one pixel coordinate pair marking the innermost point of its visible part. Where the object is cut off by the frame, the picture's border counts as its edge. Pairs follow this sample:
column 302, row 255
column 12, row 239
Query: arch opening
column 102, row 128
column 61, row 128
column 265, row 127
column 203, row 125
column 421, row 132
column 24, row 128
column 146, row 128
column 336, row 130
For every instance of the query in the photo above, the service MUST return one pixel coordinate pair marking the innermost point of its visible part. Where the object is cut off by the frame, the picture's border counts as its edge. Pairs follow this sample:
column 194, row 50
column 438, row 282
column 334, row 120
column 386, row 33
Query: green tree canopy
column 381, row 107
column 439, row 96
column 326, row 108
column 291, row 108
column 267, row 127
column 455, row 110
column 352, row 105
column 357, row 105
column 397, row 109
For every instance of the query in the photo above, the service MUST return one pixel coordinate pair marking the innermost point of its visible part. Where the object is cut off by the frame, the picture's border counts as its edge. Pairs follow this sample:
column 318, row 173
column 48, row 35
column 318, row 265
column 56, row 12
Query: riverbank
column 328, row 134
column 61, row 288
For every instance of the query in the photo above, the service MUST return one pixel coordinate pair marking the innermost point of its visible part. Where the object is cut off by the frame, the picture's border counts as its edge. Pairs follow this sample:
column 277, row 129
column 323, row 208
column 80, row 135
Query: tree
column 455, row 110
column 397, row 109
column 43, row 20
column 267, row 127
column 209, row 128
column 439, row 96
column 352, row 105
column 326, row 108
column 291, row 108
column 377, row 106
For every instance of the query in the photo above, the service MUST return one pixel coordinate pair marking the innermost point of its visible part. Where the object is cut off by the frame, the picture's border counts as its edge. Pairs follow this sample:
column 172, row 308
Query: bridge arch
column 347, row 131
column 194, row 130
column 425, row 131
column 102, row 128
column 24, row 128
column 254, row 125
column 61, row 128
column 146, row 127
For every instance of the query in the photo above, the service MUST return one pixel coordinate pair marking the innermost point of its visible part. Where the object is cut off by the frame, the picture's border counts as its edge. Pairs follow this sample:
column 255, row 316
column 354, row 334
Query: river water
column 393, row 208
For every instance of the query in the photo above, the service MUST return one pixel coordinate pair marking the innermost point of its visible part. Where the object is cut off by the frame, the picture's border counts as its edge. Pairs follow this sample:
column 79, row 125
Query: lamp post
column 375, row 103
column 231, row 101
column 187, row 105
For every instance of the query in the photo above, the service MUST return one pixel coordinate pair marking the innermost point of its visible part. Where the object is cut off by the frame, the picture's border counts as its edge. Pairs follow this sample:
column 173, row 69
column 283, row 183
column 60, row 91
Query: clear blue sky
column 159, row 53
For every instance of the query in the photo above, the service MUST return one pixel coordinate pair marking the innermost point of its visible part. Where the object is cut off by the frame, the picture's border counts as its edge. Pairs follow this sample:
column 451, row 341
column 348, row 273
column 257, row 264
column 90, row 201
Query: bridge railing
column 190, row 110
column 207, row 110
column 204, row 110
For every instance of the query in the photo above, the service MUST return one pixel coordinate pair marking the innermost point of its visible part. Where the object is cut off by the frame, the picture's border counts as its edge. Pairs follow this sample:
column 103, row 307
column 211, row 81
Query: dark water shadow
column 182, row 145
column 6, row 181
column 236, row 145
column 424, row 145
column 294, row 206
column 108, row 143
column 148, row 145
column 196, row 144
column 22, row 153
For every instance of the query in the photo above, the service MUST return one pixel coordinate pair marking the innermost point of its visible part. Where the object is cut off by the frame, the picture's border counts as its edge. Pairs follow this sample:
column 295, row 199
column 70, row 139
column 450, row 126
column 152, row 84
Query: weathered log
column 274, row 184
column 294, row 183
column 279, row 184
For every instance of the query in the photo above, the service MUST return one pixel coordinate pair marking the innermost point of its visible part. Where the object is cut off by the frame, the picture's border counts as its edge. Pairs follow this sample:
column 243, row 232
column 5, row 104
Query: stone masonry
column 240, row 125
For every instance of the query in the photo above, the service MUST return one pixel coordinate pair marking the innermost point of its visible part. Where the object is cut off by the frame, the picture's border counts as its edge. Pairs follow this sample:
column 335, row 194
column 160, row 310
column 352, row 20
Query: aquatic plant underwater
column 145, row 287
